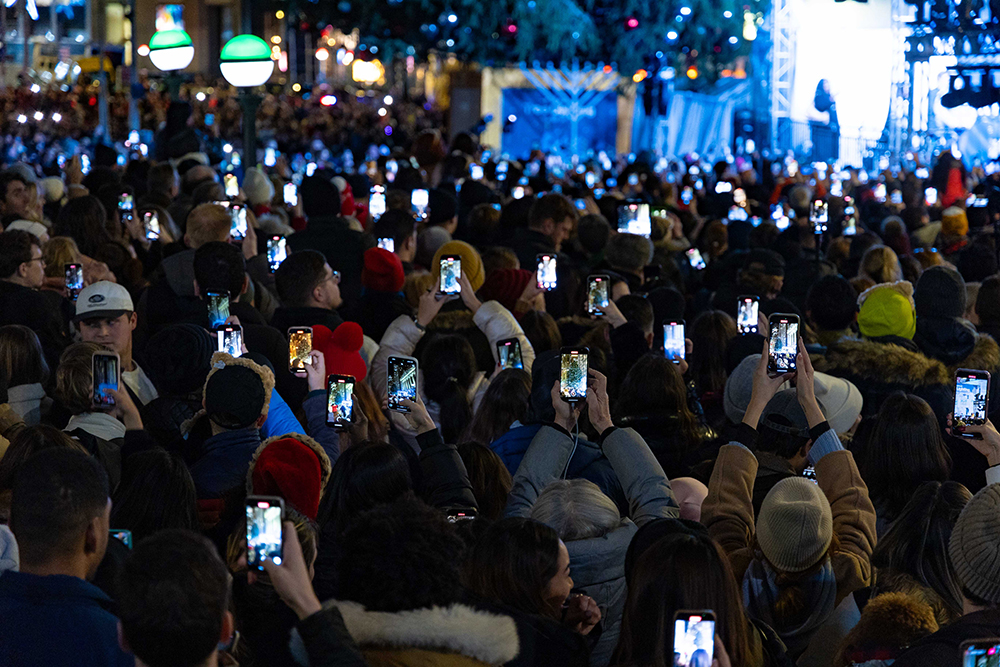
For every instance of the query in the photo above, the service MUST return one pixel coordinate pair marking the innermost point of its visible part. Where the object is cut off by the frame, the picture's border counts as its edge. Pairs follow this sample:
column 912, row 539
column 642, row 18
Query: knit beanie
column 472, row 263
column 505, row 286
column 383, row 271
column 291, row 466
column 320, row 197
column 258, row 188
column 30, row 226
column 954, row 222
column 975, row 545
column 341, row 349
column 237, row 391
column 887, row 310
column 54, row 189
column 429, row 240
column 182, row 360
column 940, row 292
column 739, row 386
column 795, row 525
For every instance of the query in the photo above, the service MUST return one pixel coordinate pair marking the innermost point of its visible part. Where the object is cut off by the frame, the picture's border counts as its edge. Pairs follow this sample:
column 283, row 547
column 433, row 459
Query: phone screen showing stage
column 971, row 390
column 263, row 533
column 105, row 370
column 74, row 279
column 277, row 251
column 509, row 353
column 451, row 269
column 633, row 218
column 746, row 320
column 299, row 349
column 673, row 341
column 218, row 309
column 573, row 375
column 694, row 641
column 339, row 400
column 545, row 274
column 402, row 382
column 230, row 340
column 597, row 294
column 784, row 345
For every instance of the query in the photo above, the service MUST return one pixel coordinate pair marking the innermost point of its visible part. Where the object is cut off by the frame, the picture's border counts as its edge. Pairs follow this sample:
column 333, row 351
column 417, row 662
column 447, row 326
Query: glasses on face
column 36, row 259
column 335, row 277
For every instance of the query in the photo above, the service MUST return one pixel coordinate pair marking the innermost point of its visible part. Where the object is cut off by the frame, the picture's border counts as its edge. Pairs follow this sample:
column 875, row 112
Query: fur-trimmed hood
column 324, row 460
column 889, row 623
column 881, row 362
column 985, row 356
column 488, row 638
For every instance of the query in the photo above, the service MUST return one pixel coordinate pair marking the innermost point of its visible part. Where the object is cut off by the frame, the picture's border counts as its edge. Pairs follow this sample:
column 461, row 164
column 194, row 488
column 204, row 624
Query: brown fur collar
column 985, row 356
column 882, row 362
column 891, row 620
column 453, row 320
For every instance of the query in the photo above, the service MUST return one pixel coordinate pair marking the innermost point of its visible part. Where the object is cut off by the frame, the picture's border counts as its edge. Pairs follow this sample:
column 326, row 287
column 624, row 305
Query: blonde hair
column 881, row 265
column 577, row 509
column 75, row 377
column 207, row 223
column 59, row 251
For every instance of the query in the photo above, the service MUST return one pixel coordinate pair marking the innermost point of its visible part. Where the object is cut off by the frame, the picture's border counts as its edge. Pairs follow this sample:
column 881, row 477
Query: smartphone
column 476, row 172
column 723, row 187
column 694, row 638
column 232, row 185
column 122, row 535
column 598, row 294
column 633, row 218
column 590, row 179
column 376, row 205
column 738, row 213
column 581, row 204
column 218, row 309
column 457, row 514
column 747, row 310
column 230, row 339
column 310, row 169
column 837, row 189
column 84, row 164
column 277, row 251
column 517, row 193
column 783, row 345
column 339, row 400
column 74, row 279
column 972, row 390
column 451, row 270
column 402, row 382
column 300, row 345
column 931, row 196
column 418, row 202
column 922, row 172
column 264, row 517
column 209, row 119
column 509, row 353
column 573, row 371
column 695, row 259
column 673, row 341
column 387, row 243
column 104, row 368
column 981, row 652
column 819, row 214
column 238, row 229
column 270, row 157
column 126, row 207
column 151, row 223
column 687, row 194
column 739, row 196
column 879, row 192
column 850, row 226
column 290, row 193
column 896, row 197
column 545, row 272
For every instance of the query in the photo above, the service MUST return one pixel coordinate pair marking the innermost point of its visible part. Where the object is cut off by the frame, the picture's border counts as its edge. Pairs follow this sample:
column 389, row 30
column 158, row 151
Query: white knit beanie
column 795, row 525
column 975, row 545
column 258, row 187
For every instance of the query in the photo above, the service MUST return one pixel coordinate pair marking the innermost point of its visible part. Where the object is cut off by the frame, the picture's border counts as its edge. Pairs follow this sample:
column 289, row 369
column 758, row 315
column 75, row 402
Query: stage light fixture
column 958, row 92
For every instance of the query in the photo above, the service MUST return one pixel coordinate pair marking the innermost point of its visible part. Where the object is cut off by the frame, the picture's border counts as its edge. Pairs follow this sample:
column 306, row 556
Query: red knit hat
column 342, row 349
column 383, row 271
column 291, row 466
column 505, row 286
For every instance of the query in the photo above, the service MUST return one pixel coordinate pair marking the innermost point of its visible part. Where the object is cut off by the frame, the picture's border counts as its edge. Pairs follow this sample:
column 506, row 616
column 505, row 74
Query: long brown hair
column 505, row 401
column 490, row 479
column 681, row 571
column 654, row 386
column 710, row 333
column 21, row 358
column 378, row 424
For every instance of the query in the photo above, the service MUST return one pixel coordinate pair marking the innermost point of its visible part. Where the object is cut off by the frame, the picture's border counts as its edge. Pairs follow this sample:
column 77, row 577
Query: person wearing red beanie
column 293, row 467
column 381, row 301
column 511, row 288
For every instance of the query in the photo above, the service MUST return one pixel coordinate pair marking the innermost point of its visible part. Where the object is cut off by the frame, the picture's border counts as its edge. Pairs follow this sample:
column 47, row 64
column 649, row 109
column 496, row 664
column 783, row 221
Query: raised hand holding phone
column 429, row 306
column 418, row 418
column 468, row 294
column 598, row 404
column 805, row 388
column 566, row 413
column 764, row 387
column 988, row 442
column 291, row 578
column 316, row 371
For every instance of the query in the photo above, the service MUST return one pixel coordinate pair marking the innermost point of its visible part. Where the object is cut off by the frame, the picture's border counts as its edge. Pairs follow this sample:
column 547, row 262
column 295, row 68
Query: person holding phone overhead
column 797, row 563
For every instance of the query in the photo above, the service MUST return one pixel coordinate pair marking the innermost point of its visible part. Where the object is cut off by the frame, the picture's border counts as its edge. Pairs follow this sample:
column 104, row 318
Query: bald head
column 207, row 223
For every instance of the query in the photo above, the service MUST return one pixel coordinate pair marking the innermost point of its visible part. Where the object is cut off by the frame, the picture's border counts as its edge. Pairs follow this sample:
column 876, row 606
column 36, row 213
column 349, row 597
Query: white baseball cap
column 103, row 299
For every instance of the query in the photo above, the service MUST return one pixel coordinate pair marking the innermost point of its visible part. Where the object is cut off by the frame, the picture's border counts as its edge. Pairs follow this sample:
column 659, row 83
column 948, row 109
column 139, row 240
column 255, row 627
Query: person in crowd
column 988, row 307
column 713, row 330
column 23, row 373
column 628, row 255
column 504, row 406
column 309, row 290
column 25, row 441
column 60, row 516
column 491, row 481
column 156, row 493
column 402, row 229
column 16, row 202
column 793, row 585
column 880, row 265
column 550, row 223
column 382, row 300
column 586, row 519
column 442, row 210
column 105, row 316
column 832, row 309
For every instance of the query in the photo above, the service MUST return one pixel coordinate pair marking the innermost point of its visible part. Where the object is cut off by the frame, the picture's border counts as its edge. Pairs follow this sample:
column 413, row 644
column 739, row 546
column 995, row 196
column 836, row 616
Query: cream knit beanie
column 795, row 526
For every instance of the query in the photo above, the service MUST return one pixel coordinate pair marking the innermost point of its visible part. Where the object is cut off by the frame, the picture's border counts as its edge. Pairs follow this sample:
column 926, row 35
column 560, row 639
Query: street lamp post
column 246, row 63
column 171, row 51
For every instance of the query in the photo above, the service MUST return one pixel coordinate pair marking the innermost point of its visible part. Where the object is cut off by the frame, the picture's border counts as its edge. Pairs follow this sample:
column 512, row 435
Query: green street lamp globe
column 246, row 61
column 171, row 50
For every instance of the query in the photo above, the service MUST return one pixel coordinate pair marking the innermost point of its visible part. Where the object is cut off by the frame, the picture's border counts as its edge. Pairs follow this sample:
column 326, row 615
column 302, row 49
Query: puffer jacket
column 597, row 564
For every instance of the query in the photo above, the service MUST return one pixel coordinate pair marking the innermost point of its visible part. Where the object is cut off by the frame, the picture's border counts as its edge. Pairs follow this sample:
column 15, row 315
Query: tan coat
column 728, row 513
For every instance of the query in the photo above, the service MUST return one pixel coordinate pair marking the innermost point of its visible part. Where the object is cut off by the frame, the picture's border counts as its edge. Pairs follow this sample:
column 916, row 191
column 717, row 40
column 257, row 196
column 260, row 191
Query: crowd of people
column 466, row 512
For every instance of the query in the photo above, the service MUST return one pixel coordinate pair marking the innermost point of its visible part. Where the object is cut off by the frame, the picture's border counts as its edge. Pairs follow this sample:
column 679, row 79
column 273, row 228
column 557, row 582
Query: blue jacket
column 587, row 463
column 224, row 462
column 56, row 620
column 280, row 418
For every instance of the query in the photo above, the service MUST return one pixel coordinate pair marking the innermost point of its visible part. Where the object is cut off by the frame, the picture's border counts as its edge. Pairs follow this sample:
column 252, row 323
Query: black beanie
column 320, row 197
column 940, row 292
column 182, row 355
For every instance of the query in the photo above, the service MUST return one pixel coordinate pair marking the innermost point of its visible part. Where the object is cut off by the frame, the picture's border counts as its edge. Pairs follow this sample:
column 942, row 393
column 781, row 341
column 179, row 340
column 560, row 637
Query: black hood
column 949, row 340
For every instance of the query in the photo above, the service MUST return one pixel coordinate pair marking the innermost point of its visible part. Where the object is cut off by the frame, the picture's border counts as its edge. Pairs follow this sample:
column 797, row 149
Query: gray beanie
column 795, row 525
column 975, row 545
column 739, row 387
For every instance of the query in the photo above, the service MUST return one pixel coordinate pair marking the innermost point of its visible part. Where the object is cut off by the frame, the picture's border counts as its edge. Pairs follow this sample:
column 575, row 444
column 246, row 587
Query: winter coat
column 728, row 511
column 29, row 401
column 403, row 335
column 598, row 563
column 889, row 623
column 455, row 636
column 941, row 649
